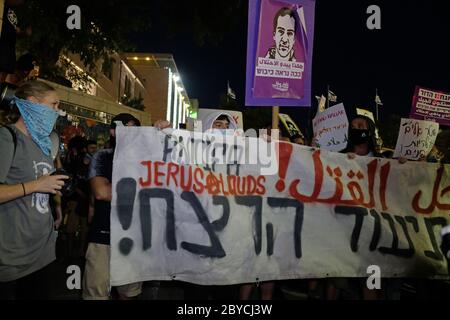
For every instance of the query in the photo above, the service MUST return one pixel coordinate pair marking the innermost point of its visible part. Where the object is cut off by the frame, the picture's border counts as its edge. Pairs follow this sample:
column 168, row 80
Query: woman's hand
column 48, row 184
column 351, row 155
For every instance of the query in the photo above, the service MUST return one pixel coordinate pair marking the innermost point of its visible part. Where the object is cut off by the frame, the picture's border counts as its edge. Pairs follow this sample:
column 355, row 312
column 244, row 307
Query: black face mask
column 359, row 136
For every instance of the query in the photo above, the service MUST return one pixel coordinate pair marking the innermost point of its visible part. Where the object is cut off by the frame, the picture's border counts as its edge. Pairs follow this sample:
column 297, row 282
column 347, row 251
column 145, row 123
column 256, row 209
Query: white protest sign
column 416, row 138
column 331, row 129
column 321, row 215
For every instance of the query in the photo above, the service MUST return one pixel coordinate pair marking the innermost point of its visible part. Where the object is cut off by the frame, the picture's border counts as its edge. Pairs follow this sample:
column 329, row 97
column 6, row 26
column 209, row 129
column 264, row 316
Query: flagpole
column 376, row 102
column 275, row 121
column 328, row 96
column 228, row 90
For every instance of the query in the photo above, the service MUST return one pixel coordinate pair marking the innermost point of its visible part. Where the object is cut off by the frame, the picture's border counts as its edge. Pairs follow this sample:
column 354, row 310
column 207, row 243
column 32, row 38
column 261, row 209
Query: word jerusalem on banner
column 217, row 219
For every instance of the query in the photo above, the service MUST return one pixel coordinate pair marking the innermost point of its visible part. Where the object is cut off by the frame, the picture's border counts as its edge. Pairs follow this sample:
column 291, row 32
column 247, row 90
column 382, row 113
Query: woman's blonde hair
column 33, row 88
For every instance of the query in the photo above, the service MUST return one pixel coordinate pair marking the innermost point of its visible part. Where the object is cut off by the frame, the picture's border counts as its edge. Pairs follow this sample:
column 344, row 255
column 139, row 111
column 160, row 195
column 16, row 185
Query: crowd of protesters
column 33, row 206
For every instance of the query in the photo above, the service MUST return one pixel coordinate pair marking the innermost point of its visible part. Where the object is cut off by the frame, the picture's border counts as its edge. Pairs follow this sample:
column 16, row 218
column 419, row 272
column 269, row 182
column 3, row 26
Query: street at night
column 250, row 151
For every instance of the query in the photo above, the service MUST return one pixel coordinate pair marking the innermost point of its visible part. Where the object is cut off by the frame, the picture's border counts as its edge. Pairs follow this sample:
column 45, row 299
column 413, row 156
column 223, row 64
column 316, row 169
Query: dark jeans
column 35, row 286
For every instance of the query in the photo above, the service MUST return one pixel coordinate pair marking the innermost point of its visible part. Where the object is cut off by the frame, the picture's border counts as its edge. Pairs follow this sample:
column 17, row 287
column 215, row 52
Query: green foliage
column 104, row 29
column 74, row 75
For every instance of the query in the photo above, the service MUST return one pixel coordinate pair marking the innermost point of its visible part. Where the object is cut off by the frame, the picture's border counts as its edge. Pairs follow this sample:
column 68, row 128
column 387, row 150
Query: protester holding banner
column 219, row 120
column 361, row 138
column 96, row 274
column 361, row 142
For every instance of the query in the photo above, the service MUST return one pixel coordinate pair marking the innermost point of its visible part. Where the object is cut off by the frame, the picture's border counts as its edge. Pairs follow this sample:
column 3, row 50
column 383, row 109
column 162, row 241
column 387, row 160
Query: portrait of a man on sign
column 284, row 28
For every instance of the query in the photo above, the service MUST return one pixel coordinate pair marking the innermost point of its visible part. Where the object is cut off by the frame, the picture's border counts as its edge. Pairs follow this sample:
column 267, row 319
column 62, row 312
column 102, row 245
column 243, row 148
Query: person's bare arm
column 45, row 184
column 101, row 188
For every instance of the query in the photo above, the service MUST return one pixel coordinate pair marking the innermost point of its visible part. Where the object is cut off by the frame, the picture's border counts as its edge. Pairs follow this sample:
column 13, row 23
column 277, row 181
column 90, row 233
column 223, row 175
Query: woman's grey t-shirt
column 27, row 239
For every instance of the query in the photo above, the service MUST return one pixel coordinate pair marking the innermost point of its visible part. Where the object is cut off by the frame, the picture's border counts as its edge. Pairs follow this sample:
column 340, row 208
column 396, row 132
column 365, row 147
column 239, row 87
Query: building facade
column 89, row 116
column 149, row 81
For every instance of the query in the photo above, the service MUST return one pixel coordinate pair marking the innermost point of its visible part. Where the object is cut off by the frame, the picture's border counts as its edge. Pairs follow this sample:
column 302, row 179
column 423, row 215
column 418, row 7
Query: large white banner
column 321, row 215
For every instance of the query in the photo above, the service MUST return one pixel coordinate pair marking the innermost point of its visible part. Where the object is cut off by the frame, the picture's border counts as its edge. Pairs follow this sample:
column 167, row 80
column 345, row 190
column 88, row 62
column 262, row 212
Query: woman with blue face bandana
column 27, row 237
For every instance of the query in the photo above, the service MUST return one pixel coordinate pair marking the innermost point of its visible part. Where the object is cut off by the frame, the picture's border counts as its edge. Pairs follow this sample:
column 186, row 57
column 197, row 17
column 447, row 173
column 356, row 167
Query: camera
column 69, row 184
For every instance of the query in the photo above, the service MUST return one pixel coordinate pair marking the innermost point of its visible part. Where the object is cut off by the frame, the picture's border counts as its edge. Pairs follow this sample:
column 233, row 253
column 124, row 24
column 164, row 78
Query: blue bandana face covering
column 39, row 120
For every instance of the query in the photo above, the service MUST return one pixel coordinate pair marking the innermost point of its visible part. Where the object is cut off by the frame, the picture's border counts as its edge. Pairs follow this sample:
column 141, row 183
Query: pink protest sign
column 279, row 56
column 431, row 105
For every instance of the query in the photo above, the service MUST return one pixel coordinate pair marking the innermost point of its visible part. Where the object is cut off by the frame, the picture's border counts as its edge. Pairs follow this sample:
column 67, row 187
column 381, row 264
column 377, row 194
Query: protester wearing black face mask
column 361, row 142
column 361, row 138
column 127, row 120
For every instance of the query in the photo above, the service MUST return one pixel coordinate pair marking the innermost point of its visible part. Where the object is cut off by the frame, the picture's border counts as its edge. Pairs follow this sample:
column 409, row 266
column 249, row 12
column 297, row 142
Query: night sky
column 412, row 48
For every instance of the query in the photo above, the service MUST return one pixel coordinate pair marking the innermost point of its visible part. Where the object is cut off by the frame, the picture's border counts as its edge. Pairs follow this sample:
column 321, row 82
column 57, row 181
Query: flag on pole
column 378, row 100
column 331, row 96
column 230, row 93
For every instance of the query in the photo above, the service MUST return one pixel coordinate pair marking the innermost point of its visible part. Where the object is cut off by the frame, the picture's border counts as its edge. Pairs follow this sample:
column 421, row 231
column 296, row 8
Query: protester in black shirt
column 96, row 275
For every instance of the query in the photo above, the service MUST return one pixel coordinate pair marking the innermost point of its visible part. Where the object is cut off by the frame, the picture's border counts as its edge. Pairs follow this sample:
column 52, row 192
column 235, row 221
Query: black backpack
column 14, row 137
